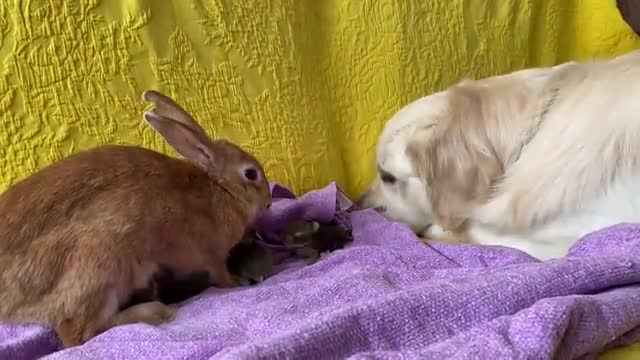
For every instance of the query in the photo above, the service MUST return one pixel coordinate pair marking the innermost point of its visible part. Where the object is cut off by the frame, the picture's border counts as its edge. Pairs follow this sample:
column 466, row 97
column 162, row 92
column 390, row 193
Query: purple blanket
column 388, row 296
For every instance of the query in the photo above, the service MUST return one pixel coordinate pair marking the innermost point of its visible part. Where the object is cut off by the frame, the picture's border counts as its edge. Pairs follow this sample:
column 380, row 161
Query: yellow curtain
column 305, row 84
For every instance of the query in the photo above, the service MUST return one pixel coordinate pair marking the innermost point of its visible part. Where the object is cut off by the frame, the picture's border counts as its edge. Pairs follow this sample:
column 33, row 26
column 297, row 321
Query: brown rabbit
column 79, row 236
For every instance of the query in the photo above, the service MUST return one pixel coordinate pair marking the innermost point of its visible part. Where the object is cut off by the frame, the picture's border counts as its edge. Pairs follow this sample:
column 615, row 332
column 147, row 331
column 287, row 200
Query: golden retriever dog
column 532, row 160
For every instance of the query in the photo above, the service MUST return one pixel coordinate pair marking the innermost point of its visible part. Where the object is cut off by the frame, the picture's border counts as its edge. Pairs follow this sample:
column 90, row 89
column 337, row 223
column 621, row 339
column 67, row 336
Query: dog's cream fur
column 533, row 160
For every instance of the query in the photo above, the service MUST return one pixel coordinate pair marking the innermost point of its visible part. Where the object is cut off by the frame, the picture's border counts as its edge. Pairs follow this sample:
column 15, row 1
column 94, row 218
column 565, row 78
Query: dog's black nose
column 362, row 201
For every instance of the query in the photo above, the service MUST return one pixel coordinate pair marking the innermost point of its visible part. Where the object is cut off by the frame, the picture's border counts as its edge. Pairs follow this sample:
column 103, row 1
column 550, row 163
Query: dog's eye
column 387, row 178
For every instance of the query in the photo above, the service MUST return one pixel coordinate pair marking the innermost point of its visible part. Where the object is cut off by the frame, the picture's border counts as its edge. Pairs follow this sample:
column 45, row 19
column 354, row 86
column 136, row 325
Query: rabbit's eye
column 251, row 174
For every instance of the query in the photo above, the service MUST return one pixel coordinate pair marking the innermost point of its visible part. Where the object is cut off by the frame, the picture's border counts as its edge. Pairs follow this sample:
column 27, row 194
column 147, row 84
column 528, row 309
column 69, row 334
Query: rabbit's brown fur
column 79, row 236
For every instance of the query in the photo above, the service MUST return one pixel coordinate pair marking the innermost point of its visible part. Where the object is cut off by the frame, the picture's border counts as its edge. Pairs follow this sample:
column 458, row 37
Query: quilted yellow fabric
column 304, row 84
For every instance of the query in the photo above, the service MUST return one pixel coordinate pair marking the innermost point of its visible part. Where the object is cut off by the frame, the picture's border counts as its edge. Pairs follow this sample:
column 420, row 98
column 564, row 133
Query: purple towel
column 388, row 296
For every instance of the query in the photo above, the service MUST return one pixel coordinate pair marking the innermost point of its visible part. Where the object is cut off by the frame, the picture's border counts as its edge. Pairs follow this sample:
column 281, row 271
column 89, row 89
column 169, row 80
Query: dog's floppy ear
column 455, row 157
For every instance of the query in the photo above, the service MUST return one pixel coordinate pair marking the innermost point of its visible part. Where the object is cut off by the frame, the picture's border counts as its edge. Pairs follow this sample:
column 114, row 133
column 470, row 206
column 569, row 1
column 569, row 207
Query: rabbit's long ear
column 189, row 143
column 167, row 108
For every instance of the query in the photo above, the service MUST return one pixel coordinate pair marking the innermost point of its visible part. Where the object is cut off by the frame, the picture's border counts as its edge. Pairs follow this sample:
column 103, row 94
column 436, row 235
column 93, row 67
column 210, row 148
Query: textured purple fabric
column 388, row 296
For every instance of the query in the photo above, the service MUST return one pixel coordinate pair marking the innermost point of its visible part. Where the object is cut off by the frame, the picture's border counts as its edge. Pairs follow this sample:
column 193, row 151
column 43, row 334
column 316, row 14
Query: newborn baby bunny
column 78, row 237
column 251, row 261
column 310, row 239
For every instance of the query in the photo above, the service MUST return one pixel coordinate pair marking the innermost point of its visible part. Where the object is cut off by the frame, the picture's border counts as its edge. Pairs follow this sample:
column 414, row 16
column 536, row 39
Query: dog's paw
column 434, row 232
column 437, row 233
